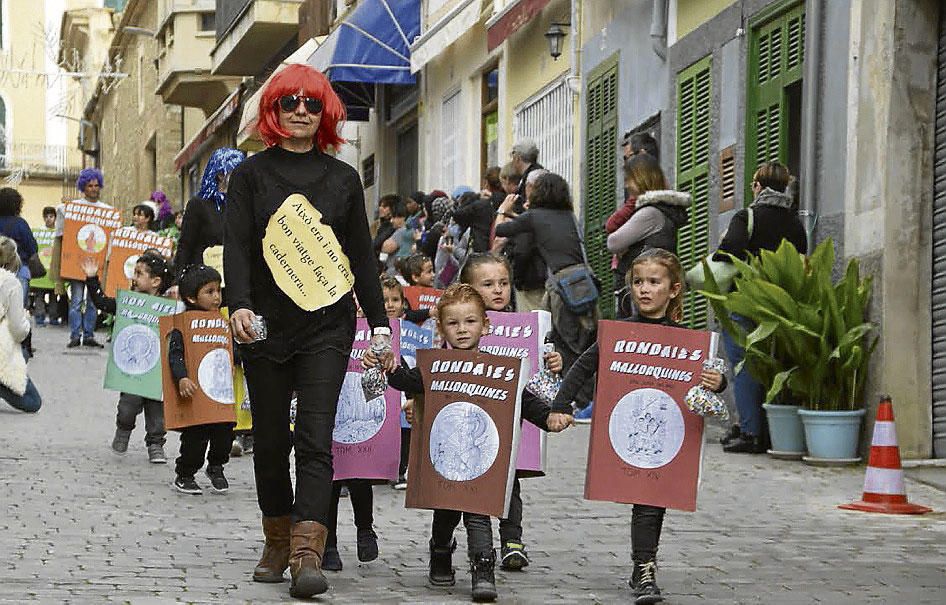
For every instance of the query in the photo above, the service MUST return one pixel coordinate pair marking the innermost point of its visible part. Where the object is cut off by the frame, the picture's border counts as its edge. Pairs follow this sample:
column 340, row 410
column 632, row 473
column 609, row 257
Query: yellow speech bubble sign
column 304, row 255
column 213, row 257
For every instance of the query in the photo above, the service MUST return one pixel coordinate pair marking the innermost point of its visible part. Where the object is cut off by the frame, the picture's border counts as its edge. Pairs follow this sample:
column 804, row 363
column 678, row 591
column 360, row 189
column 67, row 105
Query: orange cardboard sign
column 419, row 297
column 85, row 235
column 208, row 356
column 125, row 247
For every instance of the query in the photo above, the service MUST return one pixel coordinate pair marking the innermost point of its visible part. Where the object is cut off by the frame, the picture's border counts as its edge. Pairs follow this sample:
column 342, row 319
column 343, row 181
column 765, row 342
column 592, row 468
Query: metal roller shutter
column 939, row 255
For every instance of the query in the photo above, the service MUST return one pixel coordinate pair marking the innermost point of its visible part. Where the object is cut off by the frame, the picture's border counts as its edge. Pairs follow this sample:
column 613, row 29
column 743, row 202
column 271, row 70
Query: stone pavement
column 79, row 524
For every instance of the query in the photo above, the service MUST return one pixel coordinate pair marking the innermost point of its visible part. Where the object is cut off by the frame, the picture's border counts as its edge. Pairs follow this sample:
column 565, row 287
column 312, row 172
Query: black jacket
column 258, row 187
column 586, row 366
column 201, row 228
column 105, row 304
column 773, row 220
column 410, row 381
column 385, row 231
column 477, row 216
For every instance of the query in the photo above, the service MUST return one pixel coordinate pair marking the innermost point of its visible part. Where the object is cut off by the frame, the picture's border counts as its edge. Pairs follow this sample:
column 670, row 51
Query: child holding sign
column 462, row 321
column 395, row 306
column 656, row 283
column 199, row 288
column 491, row 276
column 151, row 276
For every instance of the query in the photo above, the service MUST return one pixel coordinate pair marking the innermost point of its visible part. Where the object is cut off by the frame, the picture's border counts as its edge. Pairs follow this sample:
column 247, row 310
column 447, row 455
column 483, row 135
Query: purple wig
column 165, row 211
column 88, row 175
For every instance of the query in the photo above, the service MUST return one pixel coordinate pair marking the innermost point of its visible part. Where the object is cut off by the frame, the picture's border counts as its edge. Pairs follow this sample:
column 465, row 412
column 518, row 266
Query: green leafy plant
column 810, row 343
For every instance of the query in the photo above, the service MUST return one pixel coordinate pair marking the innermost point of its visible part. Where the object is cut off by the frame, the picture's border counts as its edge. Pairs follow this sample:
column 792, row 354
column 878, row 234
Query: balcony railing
column 38, row 157
column 227, row 13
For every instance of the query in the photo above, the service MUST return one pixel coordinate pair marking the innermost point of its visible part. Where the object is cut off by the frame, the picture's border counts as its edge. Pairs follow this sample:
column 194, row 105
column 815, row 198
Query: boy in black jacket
column 462, row 321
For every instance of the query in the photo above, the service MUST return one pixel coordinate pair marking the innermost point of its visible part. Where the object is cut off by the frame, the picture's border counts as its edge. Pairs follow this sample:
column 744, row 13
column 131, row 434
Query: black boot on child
column 441, row 565
column 482, row 567
column 644, row 583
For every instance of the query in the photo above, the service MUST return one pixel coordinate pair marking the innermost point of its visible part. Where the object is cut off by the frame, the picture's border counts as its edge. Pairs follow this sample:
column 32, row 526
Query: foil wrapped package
column 705, row 402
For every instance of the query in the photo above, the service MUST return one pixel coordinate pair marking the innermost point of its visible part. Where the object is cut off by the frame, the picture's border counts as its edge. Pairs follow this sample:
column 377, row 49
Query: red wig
column 313, row 83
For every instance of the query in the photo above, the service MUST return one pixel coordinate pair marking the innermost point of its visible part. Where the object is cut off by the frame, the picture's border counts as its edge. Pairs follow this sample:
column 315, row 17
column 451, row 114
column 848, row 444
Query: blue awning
column 372, row 45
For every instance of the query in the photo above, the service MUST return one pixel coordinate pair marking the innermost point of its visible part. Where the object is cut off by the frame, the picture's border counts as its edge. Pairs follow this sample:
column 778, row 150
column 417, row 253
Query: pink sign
column 366, row 441
column 522, row 335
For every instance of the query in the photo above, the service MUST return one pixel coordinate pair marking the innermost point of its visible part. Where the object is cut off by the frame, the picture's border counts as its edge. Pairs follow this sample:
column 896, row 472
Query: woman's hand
column 241, row 322
column 558, row 422
column 408, row 408
column 387, row 361
column 187, row 388
column 89, row 266
column 553, row 361
column 508, row 203
column 712, row 380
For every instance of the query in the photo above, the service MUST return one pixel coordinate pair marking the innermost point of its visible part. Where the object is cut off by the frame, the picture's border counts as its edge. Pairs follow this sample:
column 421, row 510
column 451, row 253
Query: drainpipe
column 808, row 207
column 658, row 28
column 574, row 78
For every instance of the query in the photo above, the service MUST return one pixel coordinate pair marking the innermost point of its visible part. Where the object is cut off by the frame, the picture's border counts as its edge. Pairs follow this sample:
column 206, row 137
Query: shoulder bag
column 724, row 273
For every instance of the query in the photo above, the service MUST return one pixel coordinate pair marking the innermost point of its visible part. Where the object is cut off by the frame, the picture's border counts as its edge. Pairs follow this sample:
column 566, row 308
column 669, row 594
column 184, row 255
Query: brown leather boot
column 275, row 557
column 307, row 541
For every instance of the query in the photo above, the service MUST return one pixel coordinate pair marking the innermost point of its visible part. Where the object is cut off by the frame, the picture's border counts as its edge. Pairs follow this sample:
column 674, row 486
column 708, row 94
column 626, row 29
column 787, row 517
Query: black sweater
column 410, row 381
column 201, row 228
column 105, row 304
column 258, row 187
column 477, row 216
column 586, row 366
column 770, row 225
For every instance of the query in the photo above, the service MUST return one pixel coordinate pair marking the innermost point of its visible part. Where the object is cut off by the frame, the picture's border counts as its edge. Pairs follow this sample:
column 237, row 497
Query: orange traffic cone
column 884, row 491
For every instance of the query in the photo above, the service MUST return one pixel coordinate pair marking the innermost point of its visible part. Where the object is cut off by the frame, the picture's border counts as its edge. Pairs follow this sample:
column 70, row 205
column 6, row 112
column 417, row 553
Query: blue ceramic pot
column 785, row 429
column 832, row 435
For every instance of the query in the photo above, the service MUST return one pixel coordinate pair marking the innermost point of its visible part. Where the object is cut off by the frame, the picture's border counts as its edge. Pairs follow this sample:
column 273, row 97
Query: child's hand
column 187, row 388
column 388, row 362
column 558, row 422
column 553, row 361
column 408, row 408
column 89, row 266
column 711, row 379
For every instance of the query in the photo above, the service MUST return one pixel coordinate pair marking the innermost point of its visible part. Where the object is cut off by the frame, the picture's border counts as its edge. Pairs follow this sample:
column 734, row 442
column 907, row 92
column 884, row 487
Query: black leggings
column 510, row 528
column 194, row 447
column 317, row 378
column 646, row 523
column 361, row 495
column 479, row 530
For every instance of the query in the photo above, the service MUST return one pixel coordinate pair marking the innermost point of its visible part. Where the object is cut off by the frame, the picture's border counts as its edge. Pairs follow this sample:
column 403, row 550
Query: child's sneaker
column 483, row 577
column 644, row 583
column 513, row 556
column 441, row 572
column 217, row 481
column 120, row 441
column 156, row 454
column 247, row 441
column 187, row 485
column 331, row 561
column 367, row 545
column 401, row 483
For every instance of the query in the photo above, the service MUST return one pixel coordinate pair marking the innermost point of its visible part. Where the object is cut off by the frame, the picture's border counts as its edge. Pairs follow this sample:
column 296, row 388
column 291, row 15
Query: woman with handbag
column 770, row 218
column 571, row 294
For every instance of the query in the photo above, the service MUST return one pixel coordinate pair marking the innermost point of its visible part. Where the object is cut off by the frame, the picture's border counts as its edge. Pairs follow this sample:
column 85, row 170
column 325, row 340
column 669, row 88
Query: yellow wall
column 693, row 13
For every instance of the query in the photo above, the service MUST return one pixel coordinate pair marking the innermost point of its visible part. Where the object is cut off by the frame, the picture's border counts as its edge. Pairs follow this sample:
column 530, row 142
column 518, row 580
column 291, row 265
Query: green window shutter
column 776, row 60
column 601, row 173
column 694, row 95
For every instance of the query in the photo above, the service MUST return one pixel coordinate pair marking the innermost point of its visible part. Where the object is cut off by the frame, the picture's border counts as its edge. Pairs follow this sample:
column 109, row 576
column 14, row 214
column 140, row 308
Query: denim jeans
column 748, row 392
column 81, row 323
column 29, row 401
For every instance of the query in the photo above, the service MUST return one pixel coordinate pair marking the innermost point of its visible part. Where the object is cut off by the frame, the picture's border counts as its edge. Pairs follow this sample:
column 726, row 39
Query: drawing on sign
column 129, row 267
column 91, row 238
column 464, row 442
column 136, row 349
column 215, row 376
column 646, row 428
column 356, row 419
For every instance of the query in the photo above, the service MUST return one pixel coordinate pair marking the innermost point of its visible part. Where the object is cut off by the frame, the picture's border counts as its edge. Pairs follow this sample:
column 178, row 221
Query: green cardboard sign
column 134, row 361
column 44, row 240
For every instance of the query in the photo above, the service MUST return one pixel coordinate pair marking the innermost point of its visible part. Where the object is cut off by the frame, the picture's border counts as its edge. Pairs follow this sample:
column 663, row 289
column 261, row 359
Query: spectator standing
column 475, row 213
column 385, row 228
column 16, row 228
column 770, row 219
column 56, row 307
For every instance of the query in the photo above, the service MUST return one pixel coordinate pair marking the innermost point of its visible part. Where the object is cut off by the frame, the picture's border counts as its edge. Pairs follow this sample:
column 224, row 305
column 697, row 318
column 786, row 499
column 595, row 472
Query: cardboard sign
column 366, row 441
column 85, row 235
column 44, row 242
column 413, row 338
column 304, row 255
column 125, row 246
column 466, row 431
column 213, row 258
column 522, row 335
column 241, row 393
column 419, row 297
column 208, row 356
column 645, row 445
column 134, row 359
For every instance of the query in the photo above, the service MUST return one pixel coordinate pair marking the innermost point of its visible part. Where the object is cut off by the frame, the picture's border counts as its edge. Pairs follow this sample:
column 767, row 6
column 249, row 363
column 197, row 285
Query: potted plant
column 810, row 341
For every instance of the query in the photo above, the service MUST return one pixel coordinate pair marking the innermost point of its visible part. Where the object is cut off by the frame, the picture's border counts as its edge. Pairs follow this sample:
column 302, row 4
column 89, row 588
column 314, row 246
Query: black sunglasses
column 289, row 103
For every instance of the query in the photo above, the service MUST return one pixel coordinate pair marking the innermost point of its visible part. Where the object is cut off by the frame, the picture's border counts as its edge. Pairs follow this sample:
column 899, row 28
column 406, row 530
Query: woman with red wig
column 303, row 351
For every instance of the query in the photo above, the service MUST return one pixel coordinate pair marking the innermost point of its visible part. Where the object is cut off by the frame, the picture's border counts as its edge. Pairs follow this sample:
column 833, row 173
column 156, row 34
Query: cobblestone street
column 80, row 524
